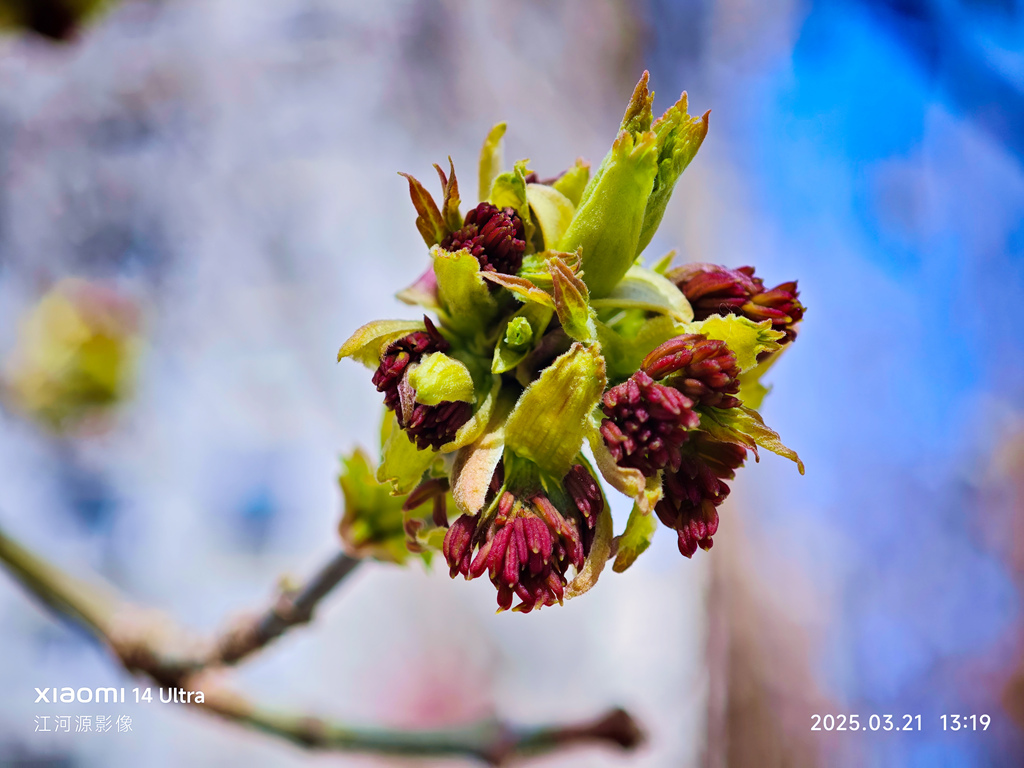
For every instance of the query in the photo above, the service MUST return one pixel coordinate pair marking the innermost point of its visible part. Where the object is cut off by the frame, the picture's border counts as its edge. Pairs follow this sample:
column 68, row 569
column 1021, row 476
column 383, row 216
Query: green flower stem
column 146, row 643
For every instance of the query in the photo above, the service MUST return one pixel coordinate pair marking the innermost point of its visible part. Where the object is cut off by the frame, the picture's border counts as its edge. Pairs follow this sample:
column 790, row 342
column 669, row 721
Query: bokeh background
column 231, row 165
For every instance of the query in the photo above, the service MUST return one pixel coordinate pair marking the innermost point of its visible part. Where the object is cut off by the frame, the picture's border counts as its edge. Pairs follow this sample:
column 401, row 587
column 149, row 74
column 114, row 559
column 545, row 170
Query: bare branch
column 292, row 607
column 147, row 642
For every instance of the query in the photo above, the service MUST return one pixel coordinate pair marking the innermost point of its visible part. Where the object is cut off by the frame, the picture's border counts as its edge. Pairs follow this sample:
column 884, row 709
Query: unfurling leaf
column 635, row 540
column 490, row 159
column 509, row 191
column 553, row 415
column 642, row 288
column 679, row 136
column 608, row 219
column 438, row 378
column 745, row 338
column 552, row 210
column 450, row 209
column 429, row 221
column 745, row 426
column 571, row 302
column 368, row 343
column 461, row 290
column 525, row 328
column 372, row 524
column 402, row 463
column 574, row 181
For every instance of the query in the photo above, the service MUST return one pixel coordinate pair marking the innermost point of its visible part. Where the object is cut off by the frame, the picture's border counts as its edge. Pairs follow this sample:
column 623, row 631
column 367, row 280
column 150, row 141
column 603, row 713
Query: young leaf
column 642, row 288
column 608, row 220
column 402, row 463
column 679, row 136
column 745, row 426
column 368, row 343
column 509, row 191
column 625, row 353
column 553, row 415
column 429, row 221
column 571, row 303
column 745, row 338
column 573, row 181
column 635, row 540
column 438, row 378
column 490, row 160
column 552, row 210
column 487, row 394
column 461, row 290
column 372, row 523
column 523, row 289
column 517, row 342
column 450, row 209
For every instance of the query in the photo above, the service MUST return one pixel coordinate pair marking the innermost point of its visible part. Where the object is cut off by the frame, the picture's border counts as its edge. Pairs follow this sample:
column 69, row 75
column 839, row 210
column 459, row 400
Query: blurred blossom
column 75, row 357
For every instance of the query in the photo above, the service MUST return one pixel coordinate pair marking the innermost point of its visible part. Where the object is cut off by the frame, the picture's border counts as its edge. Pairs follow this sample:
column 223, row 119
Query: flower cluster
column 550, row 336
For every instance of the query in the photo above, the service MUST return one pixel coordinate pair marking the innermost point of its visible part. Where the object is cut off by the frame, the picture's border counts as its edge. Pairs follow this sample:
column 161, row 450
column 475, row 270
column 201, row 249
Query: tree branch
column 291, row 608
column 147, row 642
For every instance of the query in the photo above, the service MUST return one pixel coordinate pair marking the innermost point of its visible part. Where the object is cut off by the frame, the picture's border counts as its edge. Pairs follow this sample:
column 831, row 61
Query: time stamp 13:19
column 897, row 723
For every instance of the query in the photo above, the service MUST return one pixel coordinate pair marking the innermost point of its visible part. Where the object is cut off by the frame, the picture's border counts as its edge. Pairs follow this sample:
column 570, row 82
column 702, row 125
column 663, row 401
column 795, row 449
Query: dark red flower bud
column 703, row 369
column 780, row 305
column 586, row 495
column 693, row 493
column 647, row 423
column 715, row 290
column 528, row 545
column 427, row 425
column 458, row 545
column 400, row 354
column 434, row 490
column 435, row 425
column 496, row 237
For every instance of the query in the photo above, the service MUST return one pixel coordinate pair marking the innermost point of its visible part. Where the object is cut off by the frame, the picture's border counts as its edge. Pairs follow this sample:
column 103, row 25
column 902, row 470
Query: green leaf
column 429, row 221
column 467, row 302
column 635, row 540
column 372, row 523
column 438, row 378
column 490, row 159
column 450, row 210
column 745, row 426
column 551, row 209
column 645, row 289
column 611, row 211
column 661, row 265
column 518, row 333
column 745, row 338
column 522, row 288
column 509, row 191
column 571, row 302
column 515, row 345
column 368, row 343
column 679, row 136
column 573, row 181
column 553, row 415
column 402, row 463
